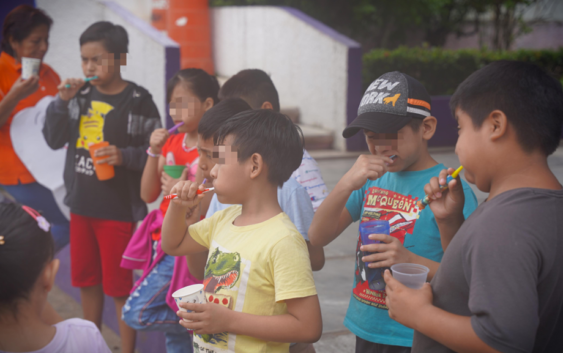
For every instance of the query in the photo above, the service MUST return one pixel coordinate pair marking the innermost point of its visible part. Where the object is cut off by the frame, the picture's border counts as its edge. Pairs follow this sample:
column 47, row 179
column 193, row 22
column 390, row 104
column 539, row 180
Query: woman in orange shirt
column 25, row 33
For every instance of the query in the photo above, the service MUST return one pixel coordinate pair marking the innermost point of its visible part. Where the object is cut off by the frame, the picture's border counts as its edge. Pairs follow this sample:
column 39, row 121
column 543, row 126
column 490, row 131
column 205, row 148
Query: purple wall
column 356, row 142
column 172, row 66
column 446, row 130
column 8, row 5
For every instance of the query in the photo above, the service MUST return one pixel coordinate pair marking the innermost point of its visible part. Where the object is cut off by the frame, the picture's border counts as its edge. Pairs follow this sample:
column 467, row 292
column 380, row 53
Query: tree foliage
column 389, row 24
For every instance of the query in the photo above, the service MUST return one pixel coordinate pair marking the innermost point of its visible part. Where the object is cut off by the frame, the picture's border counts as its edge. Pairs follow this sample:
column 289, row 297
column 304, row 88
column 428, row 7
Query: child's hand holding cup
column 190, row 294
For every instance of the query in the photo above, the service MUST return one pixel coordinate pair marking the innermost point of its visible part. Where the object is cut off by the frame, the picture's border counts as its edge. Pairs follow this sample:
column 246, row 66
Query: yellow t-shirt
column 251, row 269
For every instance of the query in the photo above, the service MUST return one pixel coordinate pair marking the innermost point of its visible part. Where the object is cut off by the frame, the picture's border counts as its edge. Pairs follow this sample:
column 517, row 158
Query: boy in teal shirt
column 394, row 115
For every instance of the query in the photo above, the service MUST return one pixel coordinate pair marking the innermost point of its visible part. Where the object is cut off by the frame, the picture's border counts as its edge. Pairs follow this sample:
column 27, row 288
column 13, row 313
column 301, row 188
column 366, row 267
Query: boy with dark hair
column 255, row 87
column 269, row 286
column 293, row 198
column 395, row 117
column 103, row 213
column 500, row 285
column 258, row 90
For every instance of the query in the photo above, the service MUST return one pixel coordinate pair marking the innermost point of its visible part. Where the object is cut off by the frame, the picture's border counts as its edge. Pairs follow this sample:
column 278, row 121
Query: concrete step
column 317, row 138
column 292, row 112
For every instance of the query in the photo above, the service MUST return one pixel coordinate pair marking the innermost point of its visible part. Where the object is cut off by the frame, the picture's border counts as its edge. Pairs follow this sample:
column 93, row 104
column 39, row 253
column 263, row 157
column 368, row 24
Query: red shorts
column 96, row 247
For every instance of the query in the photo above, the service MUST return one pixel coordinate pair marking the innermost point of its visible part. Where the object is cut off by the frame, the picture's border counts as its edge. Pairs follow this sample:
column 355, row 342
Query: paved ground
column 334, row 282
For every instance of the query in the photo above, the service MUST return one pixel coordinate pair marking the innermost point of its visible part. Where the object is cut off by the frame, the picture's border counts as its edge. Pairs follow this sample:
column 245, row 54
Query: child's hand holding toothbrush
column 69, row 87
column 186, row 194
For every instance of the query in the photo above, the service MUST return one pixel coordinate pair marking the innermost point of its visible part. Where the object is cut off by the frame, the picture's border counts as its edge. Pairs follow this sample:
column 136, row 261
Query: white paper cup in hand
column 411, row 275
column 30, row 67
column 190, row 294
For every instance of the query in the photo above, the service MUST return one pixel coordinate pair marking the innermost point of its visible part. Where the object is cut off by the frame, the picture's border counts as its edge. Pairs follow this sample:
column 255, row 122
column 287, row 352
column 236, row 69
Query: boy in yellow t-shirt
column 258, row 264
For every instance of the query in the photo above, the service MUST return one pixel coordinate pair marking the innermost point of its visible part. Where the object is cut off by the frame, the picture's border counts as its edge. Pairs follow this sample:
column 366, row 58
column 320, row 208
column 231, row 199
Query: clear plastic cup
column 411, row 275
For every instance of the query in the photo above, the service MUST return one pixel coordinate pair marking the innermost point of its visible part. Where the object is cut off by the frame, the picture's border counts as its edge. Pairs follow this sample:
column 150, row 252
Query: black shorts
column 363, row 346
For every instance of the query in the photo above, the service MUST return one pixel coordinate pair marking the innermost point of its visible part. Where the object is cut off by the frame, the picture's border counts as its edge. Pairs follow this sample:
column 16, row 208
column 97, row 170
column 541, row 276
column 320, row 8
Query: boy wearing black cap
column 394, row 115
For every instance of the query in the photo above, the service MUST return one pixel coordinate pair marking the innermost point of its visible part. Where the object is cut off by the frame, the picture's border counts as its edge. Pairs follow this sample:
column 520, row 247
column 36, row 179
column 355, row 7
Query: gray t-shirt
column 504, row 269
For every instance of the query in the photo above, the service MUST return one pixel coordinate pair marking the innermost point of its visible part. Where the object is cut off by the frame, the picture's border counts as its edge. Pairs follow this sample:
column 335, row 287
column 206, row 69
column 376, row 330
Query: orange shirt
column 12, row 170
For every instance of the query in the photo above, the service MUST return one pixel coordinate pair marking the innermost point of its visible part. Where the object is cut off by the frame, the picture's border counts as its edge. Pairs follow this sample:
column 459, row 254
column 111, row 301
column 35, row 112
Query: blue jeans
column 41, row 199
column 146, row 309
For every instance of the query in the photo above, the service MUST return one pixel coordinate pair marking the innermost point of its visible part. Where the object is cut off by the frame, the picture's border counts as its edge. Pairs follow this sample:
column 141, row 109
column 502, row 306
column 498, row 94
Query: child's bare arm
column 447, row 205
column 150, row 181
column 302, row 323
column 317, row 256
column 196, row 264
column 176, row 239
column 332, row 217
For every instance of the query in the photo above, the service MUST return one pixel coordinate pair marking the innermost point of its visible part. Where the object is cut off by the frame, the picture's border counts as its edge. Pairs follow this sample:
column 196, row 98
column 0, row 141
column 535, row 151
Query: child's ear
column 48, row 275
column 267, row 105
column 428, row 127
column 498, row 124
column 256, row 165
column 208, row 104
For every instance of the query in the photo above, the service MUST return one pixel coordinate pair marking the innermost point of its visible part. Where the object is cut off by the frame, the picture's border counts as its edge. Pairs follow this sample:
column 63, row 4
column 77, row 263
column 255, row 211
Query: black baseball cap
column 390, row 102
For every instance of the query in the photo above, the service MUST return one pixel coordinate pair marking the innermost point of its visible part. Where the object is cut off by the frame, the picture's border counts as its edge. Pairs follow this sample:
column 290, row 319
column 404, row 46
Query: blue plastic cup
column 374, row 276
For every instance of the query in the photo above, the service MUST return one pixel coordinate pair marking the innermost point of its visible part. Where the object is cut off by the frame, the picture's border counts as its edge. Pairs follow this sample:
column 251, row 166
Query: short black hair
column 202, row 84
column 415, row 124
column 272, row 135
column 531, row 100
column 19, row 24
column 23, row 255
column 216, row 116
column 252, row 85
column 113, row 37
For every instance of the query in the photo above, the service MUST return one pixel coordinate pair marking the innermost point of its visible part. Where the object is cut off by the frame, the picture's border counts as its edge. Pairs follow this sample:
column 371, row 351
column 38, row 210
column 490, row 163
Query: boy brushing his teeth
column 395, row 117
column 103, row 213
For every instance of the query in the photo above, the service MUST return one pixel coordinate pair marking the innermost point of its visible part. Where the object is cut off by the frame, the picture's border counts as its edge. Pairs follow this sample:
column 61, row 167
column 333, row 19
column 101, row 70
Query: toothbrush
column 85, row 80
column 199, row 192
column 175, row 127
column 426, row 200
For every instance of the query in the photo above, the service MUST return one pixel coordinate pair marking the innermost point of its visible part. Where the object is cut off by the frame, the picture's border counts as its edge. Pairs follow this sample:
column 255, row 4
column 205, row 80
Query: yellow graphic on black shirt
column 91, row 129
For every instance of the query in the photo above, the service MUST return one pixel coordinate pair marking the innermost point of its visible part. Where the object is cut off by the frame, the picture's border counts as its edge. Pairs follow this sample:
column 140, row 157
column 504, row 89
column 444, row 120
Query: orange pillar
column 188, row 24
column 159, row 14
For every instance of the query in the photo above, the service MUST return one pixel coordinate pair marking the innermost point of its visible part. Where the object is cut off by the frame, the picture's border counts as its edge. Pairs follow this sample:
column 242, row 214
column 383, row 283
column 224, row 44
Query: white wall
column 308, row 67
column 139, row 8
column 146, row 61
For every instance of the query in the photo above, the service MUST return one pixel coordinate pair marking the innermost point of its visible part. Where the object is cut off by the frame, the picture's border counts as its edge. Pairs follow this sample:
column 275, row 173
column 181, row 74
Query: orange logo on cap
column 391, row 99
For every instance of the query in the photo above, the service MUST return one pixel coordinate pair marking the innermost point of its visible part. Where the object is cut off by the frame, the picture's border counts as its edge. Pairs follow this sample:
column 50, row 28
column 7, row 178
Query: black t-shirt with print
column 106, row 118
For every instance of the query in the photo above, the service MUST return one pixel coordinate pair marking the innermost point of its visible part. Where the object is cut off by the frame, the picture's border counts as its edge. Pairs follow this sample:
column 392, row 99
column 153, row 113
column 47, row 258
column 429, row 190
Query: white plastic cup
column 189, row 294
column 30, row 67
column 411, row 275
